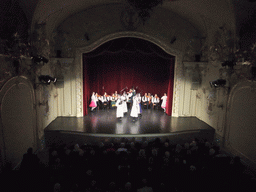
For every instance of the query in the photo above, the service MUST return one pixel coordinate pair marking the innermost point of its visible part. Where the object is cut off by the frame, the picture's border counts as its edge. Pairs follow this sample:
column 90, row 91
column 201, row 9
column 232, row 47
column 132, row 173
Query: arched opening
column 125, row 63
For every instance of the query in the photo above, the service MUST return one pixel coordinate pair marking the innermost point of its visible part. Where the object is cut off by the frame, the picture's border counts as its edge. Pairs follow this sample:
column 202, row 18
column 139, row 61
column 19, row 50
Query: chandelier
column 144, row 7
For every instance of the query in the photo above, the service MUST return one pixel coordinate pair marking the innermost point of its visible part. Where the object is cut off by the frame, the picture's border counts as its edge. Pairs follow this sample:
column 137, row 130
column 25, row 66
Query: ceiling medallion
column 130, row 19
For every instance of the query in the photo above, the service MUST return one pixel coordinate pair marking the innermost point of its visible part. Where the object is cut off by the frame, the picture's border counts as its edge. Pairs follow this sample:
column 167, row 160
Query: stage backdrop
column 125, row 63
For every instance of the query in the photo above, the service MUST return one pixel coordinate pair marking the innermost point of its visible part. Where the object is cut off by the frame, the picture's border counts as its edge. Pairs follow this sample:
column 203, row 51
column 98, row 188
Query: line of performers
column 129, row 100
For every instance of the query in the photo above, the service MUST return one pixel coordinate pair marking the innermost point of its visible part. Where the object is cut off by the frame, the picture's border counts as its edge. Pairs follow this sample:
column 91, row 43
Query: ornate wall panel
column 17, row 119
column 240, row 134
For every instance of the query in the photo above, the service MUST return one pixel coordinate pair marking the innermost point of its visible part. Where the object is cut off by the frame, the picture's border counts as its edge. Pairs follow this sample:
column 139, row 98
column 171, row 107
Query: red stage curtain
column 111, row 69
column 170, row 90
column 86, row 95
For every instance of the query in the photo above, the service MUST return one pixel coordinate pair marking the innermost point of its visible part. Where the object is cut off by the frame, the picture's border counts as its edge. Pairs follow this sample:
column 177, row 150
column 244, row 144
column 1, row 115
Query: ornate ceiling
column 199, row 13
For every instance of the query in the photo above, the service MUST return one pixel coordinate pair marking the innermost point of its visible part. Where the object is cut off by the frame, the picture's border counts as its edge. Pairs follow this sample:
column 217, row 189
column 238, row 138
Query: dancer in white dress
column 135, row 108
column 163, row 105
column 124, row 100
column 119, row 108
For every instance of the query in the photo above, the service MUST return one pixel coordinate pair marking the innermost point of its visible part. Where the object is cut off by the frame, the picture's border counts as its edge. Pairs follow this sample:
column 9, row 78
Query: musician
column 113, row 101
column 155, row 101
column 93, row 103
column 116, row 95
column 145, row 100
column 163, row 105
column 150, row 101
column 119, row 108
column 104, row 100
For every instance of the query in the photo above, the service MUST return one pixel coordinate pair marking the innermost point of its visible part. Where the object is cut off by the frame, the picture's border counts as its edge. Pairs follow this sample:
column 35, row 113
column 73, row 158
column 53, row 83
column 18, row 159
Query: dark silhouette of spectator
column 30, row 161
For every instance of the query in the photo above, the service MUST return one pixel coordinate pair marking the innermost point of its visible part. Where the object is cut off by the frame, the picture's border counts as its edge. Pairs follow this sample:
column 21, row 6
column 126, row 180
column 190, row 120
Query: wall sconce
column 45, row 80
column 39, row 59
column 218, row 83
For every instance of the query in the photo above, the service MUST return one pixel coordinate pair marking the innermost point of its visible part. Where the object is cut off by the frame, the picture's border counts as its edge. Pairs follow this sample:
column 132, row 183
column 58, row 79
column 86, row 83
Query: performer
column 116, row 94
column 155, row 101
column 93, row 103
column 131, row 94
column 145, row 100
column 135, row 108
column 119, row 109
column 163, row 105
column 104, row 100
column 150, row 100
column 113, row 101
column 139, row 100
column 98, row 100
column 124, row 100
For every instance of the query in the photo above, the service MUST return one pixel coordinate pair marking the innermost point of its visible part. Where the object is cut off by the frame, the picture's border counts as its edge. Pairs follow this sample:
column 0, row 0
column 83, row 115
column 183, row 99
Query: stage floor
column 105, row 122
column 102, row 125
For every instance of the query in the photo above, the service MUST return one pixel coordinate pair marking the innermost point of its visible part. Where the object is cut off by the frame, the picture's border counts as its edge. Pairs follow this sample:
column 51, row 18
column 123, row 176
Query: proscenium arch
column 78, row 63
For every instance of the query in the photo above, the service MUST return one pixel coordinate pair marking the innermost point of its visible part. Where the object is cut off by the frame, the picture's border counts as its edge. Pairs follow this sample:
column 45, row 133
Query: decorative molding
column 130, row 19
column 78, row 64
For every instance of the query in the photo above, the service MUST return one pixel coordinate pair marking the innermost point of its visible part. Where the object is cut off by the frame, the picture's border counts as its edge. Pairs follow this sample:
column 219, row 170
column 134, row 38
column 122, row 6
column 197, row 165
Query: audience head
column 68, row 151
column 145, row 144
column 101, row 144
column 57, row 187
column 207, row 144
column 192, row 168
column 178, row 148
column 81, row 152
column 211, row 152
column 122, row 145
column 128, row 186
column 186, row 145
column 142, row 153
column 89, row 172
column 193, row 143
column 92, row 152
column 176, row 160
column 167, row 154
column 54, row 153
column 30, row 150
column 76, row 147
column 154, row 152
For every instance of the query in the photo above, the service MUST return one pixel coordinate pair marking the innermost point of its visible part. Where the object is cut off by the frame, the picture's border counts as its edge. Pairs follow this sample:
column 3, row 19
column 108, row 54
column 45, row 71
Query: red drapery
column 170, row 90
column 112, row 71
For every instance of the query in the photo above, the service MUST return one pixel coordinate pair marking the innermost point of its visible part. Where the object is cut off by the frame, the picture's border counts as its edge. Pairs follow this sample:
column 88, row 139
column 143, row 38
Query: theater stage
column 102, row 125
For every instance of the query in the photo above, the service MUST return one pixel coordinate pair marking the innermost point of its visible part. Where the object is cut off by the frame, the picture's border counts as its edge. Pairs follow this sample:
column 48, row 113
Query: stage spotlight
column 38, row 59
column 46, row 79
column 217, row 83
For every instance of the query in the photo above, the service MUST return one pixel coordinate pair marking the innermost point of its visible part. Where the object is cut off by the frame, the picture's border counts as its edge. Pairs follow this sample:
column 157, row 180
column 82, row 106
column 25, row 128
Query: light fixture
column 218, row 83
column 228, row 63
column 46, row 79
column 39, row 59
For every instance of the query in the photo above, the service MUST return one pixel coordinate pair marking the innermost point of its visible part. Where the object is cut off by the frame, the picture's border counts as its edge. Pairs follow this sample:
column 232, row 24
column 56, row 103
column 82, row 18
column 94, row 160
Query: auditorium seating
column 137, row 166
